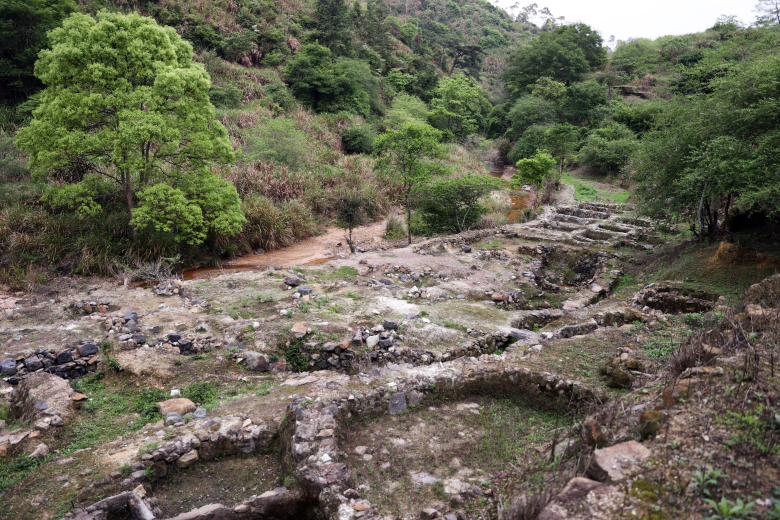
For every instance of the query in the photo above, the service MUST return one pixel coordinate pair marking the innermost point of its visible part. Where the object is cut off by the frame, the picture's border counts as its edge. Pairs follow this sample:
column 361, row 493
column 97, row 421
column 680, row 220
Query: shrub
column 394, row 226
column 225, row 96
column 13, row 164
column 534, row 170
column 273, row 225
column 278, row 140
column 358, row 139
column 529, row 111
column 609, row 148
column 529, row 143
column 454, row 204
column 639, row 56
column 202, row 392
column 405, row 109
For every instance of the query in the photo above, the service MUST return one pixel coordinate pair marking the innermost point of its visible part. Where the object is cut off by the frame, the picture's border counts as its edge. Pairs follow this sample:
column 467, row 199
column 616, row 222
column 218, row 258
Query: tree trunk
column 408, row 218
column 698, row 213
column 726, row 215
column 454, row 62
column 129, row 198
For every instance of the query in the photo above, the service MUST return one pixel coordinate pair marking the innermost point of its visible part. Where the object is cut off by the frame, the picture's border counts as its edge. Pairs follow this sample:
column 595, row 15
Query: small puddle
column 519, row 200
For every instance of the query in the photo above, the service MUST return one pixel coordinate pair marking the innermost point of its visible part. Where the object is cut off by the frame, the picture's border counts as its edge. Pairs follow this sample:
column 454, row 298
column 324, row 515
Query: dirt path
column 314, row 249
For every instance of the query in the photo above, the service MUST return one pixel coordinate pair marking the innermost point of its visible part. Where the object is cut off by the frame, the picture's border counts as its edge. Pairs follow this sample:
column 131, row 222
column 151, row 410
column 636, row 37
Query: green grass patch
column 587, row 192
column 484, row 245
column 204, row 393
column 101, row 418
column 691, row 264
column 342, row 272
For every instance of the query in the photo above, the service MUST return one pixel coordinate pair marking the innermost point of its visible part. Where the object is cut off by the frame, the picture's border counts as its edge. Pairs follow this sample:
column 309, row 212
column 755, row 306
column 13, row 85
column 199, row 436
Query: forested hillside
column 689, row 121
column 299, row 92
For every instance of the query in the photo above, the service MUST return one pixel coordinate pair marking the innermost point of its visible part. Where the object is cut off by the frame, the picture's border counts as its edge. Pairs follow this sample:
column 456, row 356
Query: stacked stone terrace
column 395, row 376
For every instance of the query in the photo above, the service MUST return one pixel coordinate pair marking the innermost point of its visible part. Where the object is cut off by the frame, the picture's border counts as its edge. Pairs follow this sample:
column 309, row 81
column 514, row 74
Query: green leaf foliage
column 453, row 204
column 277, row 140
column 125, row 103
column 529, row 111
column 565, row 55
column 608, row 149
column 459, row 106
column 329, row 84
column 412, row 155
column 405, row 109
column 533, row 170
column 717, row 150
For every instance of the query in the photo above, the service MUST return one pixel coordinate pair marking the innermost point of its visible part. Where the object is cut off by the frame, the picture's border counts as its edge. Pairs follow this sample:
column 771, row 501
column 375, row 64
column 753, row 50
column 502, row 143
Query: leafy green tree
column 352, row 209
column 328, row 85
column 459, row 106
column 581, row 99
column 467, row 55
column 125, row 103
column 638, row 56
column 608, row 149
column 533, row 170
column 710, row 155
column 412, row 154
column 454, row 204
column 565, row 55
column 549, row 89
column 531, row 141
column 23, row 28
column 405, row 109
column 529, row 111
column 560, row 140
column 331, row 26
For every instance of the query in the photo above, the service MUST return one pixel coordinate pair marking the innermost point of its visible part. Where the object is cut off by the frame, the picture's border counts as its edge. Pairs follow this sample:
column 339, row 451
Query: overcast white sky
column 648, row 19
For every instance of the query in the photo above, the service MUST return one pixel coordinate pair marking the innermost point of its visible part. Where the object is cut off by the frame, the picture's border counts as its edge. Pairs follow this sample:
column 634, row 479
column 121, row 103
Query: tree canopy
column 126, row 111
column 565, row 55
column 412, row 154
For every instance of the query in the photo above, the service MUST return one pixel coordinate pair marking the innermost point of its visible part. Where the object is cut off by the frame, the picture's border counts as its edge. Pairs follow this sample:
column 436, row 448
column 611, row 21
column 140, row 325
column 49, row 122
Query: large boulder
column 256, row 361
column 611, row 464
column 8, row 366
column 180, row 406
column 40, row 388
column 155, row 362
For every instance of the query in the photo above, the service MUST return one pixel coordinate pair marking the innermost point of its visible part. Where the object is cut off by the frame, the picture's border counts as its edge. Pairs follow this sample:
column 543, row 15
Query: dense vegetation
column 299, row 104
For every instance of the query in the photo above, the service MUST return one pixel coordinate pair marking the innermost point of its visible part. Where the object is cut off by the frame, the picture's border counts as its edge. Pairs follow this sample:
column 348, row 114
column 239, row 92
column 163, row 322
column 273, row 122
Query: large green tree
column 125, row 107
column 709, row 155
column 329, row 85
column 412, row 154
column 565, row 55
column 23, row 28
column 459, row 106
column 331, row 26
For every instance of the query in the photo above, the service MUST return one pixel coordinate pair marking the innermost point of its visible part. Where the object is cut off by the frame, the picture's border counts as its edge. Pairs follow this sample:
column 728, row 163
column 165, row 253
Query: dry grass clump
column 251, row 82
column 394, row 226
column 272, row 225
column 527, row 507
column 219, row 14
column 275, row 181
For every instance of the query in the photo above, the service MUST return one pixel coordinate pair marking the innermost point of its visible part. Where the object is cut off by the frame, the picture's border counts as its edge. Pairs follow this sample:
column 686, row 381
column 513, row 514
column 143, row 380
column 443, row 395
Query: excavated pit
column 446, row 454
